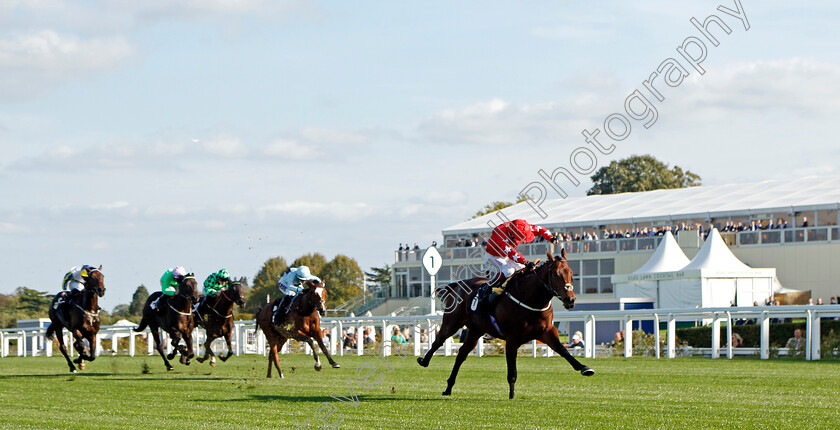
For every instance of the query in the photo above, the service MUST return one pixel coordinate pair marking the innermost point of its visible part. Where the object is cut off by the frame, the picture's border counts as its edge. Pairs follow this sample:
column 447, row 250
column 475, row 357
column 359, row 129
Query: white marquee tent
column 712, row 279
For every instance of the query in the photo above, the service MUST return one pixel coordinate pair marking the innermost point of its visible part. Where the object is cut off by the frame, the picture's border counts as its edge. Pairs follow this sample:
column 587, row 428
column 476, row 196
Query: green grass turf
column 624, row 393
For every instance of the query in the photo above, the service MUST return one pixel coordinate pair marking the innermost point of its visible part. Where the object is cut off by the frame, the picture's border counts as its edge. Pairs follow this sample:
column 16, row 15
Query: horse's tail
column 51, row 330
column 256, row 317
column 142, row 326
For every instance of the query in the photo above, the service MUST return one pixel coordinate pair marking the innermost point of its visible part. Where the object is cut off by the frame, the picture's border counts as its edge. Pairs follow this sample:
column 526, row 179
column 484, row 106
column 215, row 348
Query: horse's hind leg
column 318, row 366
column 208, row 351
column 552, row 339
column 159, row 347
column 273, row 356
column 447, row 329
column 63, row 348
column 468, row 345
column 186, row 350
column 326, row 352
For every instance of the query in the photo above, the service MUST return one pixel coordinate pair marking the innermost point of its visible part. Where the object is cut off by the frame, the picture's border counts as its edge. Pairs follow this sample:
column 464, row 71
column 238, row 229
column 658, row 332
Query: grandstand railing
column 637, row 244
column 248, row 340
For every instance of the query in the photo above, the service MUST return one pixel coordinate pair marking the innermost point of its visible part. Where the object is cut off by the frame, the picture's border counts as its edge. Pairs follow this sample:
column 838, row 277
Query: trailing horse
column 219, row 320
column 175, row 318
column 521, row 314
column 302, row 323
column 80, row 317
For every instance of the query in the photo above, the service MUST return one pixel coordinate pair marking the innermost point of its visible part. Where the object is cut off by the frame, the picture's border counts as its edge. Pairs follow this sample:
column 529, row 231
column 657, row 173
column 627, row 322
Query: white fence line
column 246, row 340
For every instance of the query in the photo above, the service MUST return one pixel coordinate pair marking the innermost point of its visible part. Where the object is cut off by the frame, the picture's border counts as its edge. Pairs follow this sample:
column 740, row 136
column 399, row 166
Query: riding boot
column 485, row 290
column 154, row 304
column 281, row 311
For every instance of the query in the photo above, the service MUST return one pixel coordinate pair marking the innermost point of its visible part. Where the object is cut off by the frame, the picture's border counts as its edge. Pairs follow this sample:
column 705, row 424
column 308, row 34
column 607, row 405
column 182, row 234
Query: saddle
column 276, row 318
column 62, row 305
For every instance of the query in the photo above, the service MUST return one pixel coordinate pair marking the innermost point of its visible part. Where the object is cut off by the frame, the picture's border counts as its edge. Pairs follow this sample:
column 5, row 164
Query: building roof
column 715, row 255
column 668, row 257
column 771, row 196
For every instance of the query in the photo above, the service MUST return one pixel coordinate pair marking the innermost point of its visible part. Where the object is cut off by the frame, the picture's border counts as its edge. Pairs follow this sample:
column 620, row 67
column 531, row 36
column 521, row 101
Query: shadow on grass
column 314, row 399
column 121, row 377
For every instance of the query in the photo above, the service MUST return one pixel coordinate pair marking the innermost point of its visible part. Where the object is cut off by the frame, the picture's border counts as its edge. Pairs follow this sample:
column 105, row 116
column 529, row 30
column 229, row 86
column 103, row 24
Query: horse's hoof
column 336, row 366
column 73, row 371
column 586, row 371
column 81, row 366
column 212, row 364
column 447, row 393
column 421, row 362
column 169, row 368
column 200, row 360
column 318, row 367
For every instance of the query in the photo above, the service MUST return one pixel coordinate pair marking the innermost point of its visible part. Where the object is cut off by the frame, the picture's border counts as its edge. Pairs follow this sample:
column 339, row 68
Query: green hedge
column 701, row 337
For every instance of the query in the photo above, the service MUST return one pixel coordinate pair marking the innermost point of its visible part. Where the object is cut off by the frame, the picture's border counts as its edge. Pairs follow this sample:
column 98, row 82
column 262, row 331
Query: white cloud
column 225, row 145
column 7, row 227
column 35, row 61
column 110, row 206
column 335, row 210
column 800, row 86
column 499, row 122
column 324, row 135
column 290, row 149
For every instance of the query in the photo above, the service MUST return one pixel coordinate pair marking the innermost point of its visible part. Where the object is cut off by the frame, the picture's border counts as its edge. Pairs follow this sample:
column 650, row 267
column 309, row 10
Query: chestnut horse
column 80, row 317
column 175, row 317
column 522, row 313
column 219, row 320
column 302, row 323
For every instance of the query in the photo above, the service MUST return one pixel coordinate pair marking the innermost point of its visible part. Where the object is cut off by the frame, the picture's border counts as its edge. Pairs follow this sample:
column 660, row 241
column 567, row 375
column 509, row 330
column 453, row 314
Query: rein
column 186, row 314
column 88, row 313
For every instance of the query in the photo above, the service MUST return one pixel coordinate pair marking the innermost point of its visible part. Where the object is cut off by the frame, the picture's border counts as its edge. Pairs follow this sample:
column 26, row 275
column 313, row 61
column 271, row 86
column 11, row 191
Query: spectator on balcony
column 401, row 248
column 805, row 222
column 416, row 247
column 833, row 301
column 820, row 301
column 434, row 243
column 469, row 243
column 459, row 243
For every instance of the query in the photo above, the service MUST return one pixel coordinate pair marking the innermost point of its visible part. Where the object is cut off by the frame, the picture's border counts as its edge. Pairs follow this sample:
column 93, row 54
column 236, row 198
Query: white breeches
column 502, row 265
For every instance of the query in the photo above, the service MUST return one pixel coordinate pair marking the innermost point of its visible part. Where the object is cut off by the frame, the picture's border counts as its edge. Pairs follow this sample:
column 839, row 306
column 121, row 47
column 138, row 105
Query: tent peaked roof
column 715, row 255
column 668, row 257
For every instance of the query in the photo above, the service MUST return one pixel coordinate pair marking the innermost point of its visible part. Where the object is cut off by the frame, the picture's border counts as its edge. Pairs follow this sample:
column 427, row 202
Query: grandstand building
column 788, row 225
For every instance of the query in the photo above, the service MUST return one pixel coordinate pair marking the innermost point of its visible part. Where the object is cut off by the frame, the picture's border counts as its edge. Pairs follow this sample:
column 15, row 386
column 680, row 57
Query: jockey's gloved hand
column 553, row 239
column 530, row 265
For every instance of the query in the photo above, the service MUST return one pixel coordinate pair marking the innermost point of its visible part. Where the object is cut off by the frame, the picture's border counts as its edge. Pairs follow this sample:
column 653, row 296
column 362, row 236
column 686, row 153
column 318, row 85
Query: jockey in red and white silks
column 501, row 252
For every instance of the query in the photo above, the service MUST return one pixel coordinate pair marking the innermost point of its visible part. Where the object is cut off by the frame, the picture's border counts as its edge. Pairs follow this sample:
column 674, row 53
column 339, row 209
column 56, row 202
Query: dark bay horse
column 80, row 317
column 302, row 323
column 219, row 320
column 175, row 317
column 522, row 313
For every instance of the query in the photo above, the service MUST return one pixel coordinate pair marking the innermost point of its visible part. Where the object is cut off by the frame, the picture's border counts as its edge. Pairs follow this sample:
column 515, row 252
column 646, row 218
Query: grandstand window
column 590, row 268
column 606, row 285
column 607, row 266
column 590, row 285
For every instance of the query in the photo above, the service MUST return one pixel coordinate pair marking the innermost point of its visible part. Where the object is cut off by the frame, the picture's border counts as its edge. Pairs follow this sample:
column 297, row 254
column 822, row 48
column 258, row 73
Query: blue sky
column 141, row 135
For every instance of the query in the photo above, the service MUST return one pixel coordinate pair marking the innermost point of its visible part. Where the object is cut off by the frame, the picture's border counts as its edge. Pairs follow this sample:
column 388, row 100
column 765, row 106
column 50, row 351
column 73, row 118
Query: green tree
column 138, row 300
column 344, row 279
column 33, row 302
column 640, row 173
column 265, row 283
column 316, row 262
column 495, row 206
column 379, row 277
column 122, row 311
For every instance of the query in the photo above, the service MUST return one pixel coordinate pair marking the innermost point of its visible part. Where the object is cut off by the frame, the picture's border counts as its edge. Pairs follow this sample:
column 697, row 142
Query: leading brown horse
column 302, row 323
column 219, row 320
column 522, row 313
column 80, row 317
column 175, row 317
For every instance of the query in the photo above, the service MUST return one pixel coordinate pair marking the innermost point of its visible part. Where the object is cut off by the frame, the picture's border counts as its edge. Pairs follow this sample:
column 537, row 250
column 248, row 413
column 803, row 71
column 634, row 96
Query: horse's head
column 234, row 293
column 316, row 293
column 188, row 288
column 559, row 280
column 94, row 280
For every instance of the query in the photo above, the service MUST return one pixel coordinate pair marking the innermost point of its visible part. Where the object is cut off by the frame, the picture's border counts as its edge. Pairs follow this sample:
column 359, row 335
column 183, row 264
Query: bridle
column 548, row 285
column 181, row 294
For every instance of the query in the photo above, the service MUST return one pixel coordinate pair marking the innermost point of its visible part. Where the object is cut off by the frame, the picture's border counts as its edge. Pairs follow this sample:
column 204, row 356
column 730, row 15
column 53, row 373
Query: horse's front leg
column 79, row 346
column 467, row 346
column 229, row 344
column 552, row 339
column 326, row 352
column 175, row 342
column 207, row 350
column 510, row 353
column 61, row 347
column 186, row 350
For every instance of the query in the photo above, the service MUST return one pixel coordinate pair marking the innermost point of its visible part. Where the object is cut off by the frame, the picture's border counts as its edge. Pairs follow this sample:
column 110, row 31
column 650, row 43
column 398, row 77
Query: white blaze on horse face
column 320, row 292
